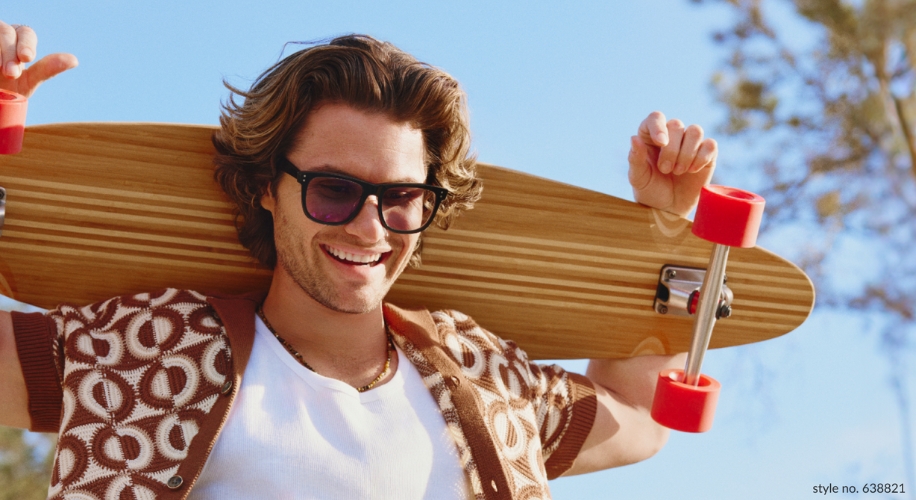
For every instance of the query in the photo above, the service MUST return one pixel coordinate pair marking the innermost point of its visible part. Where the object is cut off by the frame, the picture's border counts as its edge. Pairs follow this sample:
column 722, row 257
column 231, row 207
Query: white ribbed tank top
column 292, row 433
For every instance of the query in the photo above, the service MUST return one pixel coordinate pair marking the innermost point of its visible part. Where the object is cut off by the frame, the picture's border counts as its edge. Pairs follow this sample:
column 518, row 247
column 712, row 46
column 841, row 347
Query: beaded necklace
column 290, row 349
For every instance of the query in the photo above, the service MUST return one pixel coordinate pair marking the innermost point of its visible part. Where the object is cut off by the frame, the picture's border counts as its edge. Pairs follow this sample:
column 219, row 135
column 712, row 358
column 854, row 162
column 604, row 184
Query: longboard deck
column 95, row 210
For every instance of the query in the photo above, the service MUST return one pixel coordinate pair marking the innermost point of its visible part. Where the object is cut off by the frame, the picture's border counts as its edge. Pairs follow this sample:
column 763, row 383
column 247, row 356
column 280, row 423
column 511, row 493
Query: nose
column 367, row 225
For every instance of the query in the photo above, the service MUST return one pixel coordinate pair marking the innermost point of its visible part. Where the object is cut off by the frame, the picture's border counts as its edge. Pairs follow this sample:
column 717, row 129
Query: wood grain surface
column 96, row 210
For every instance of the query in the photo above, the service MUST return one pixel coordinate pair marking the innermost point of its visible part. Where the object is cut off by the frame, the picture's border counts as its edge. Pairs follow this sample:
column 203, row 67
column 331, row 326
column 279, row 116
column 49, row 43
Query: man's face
column 346, row 268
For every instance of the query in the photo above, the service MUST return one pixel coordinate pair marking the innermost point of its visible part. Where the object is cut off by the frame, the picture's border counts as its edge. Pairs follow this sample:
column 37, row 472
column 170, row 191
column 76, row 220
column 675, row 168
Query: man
column 337, row 158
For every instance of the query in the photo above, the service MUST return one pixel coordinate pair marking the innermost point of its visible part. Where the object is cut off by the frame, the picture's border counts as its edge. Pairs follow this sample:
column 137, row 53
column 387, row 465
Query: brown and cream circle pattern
column 127, row 447
column 106, row 394
column 72, row 461
column 525, row 404
column 142, row 373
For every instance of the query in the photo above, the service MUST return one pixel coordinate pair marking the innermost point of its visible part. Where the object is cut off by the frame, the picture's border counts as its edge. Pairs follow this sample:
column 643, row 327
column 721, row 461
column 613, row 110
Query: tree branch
column 907, row 133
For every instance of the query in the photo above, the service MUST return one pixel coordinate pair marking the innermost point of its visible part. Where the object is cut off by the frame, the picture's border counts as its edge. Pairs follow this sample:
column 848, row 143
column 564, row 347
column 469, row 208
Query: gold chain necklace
column 290, row 349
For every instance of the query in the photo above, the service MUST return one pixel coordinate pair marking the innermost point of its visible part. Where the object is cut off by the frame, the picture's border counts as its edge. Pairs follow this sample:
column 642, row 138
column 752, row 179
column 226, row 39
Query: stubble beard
column 305, row 270
column 307, row 278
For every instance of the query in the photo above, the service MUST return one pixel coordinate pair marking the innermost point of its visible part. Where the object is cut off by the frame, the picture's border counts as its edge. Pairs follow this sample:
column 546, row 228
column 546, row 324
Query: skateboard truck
column 12, row 121
column 679, row 292
column 685, row 400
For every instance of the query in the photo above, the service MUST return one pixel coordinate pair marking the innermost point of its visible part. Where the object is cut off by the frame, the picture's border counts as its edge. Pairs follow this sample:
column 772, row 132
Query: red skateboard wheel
column 685, row 407
column 728, row 216
column 12, row 121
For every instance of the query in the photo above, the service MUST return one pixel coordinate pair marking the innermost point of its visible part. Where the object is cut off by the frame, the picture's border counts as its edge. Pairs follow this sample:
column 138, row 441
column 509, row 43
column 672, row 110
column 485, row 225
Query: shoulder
column 160, row 298
column 453, row 325
column 127, row 312
column 480, row 351
column 427, row 329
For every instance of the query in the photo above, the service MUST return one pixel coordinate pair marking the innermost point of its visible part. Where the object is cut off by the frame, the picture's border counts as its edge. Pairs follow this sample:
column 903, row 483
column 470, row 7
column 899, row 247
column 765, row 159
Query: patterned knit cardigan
column 139, row 387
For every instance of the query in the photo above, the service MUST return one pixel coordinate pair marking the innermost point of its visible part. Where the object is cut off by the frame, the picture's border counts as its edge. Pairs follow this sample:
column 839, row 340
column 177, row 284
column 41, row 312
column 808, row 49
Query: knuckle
column 694, row 132
column 675, row 124
column 28, row 33
column 708, row 147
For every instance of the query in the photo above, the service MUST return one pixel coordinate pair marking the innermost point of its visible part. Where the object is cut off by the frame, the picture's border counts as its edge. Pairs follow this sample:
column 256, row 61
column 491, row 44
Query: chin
column 352, row 307
column 355, row 303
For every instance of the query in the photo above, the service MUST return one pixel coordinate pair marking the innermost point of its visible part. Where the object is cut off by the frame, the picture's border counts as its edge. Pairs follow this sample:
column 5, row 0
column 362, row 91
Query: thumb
column 45, row 68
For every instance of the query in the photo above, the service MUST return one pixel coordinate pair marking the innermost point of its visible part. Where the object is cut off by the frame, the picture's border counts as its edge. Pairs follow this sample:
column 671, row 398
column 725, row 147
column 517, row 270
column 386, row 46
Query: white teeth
column 359, row 259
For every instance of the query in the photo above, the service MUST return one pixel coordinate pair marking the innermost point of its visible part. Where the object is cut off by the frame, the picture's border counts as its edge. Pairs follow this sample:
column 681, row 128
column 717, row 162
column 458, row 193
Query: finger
column 687, row 190
column 667, row 157
column 45, row 68
column 690, row 145
column 652, row 130
column 648, row 188
column 10, row 66
column 640, row 173
column 649, row 153
column 27, row 44
column 706, row 156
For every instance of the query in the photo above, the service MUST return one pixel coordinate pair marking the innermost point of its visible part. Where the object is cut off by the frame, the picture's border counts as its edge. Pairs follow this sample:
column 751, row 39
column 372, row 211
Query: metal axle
column 705, row 318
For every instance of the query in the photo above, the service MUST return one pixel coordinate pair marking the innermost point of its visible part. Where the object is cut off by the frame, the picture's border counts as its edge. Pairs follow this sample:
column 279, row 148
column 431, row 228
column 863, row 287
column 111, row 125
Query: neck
column 347, row 346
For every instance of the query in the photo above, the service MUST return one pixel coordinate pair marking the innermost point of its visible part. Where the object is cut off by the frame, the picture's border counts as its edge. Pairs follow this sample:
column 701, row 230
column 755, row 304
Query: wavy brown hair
column 359, row 71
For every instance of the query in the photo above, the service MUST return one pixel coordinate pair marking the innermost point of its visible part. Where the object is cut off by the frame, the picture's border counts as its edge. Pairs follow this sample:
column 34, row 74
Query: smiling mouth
column 354, row 259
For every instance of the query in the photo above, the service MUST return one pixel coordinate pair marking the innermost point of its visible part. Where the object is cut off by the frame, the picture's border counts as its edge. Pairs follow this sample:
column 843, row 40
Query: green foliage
column 25, row 464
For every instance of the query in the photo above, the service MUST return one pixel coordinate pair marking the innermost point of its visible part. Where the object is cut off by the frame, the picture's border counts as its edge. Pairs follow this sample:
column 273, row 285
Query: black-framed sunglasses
column 335, row 199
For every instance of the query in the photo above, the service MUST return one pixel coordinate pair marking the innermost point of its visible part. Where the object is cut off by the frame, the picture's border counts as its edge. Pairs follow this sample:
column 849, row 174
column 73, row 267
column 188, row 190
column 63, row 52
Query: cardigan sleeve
column 41, row 344
column 38, row 346
column 562, row 405
column 566, row 406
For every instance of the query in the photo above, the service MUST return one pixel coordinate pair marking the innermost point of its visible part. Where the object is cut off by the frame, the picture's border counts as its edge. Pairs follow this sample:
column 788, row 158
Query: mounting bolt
column 670, row 274
column 724, row 311
column 663, row 309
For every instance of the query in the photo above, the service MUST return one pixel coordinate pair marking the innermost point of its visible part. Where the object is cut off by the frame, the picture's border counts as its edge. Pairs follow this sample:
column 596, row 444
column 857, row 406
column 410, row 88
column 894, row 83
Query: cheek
column 409, row 246
column 411, row 242
column 283, row 195
column 291, row 226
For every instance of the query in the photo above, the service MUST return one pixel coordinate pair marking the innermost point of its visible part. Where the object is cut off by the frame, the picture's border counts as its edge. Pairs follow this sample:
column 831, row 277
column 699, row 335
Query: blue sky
column 555, row 89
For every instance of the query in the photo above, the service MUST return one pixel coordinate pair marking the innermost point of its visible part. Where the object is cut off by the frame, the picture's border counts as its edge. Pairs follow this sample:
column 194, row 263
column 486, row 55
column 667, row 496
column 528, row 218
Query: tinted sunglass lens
column 407, row 208
column 332, row 200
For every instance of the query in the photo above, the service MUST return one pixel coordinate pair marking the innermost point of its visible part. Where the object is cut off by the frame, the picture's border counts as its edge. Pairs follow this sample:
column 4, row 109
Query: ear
column 268, row 200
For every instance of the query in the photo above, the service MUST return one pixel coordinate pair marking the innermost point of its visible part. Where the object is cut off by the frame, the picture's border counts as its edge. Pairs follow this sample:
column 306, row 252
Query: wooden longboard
column 96, row 210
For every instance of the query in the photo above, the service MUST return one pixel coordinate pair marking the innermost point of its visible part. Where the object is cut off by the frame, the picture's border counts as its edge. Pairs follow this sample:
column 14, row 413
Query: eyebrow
column 331, row 169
